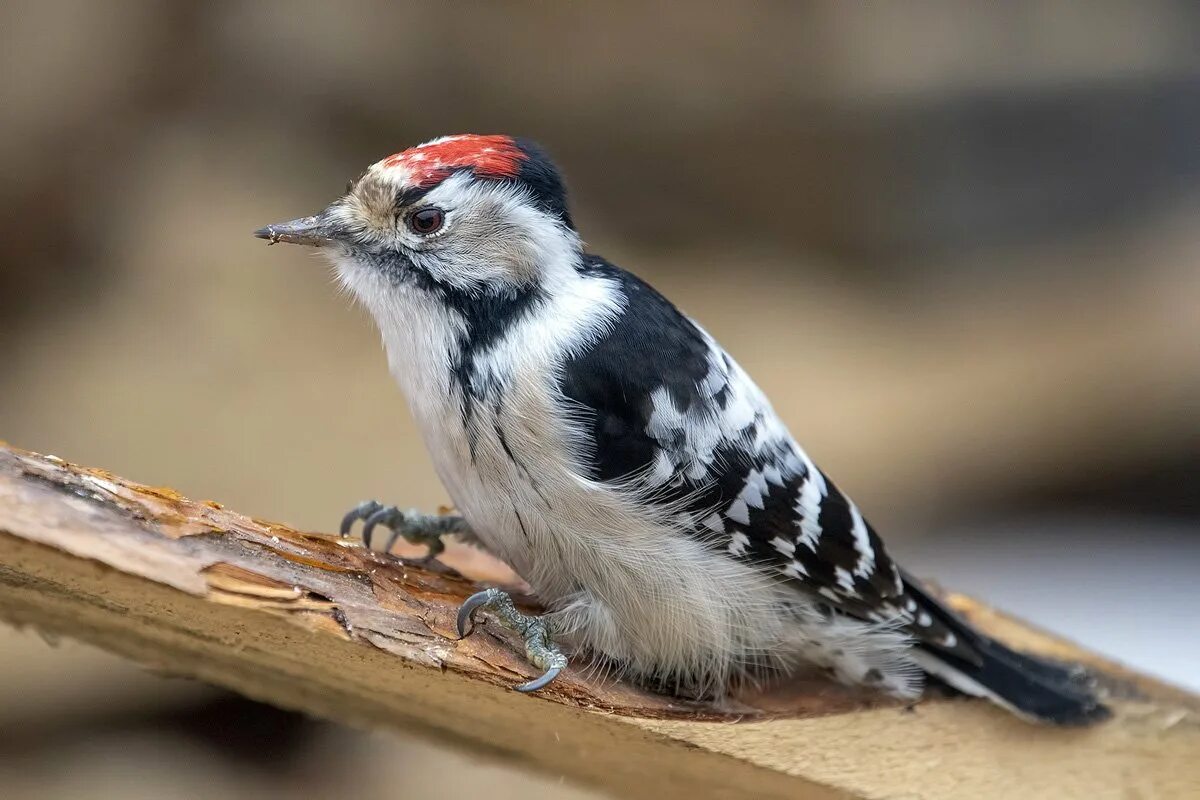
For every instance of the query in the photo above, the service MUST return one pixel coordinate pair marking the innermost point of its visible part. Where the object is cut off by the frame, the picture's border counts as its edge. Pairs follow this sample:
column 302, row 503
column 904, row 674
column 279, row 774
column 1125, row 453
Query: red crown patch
column 488, row 156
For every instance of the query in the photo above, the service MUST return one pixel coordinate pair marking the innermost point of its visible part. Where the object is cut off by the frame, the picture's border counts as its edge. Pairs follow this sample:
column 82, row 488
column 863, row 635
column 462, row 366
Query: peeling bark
column 312, row 622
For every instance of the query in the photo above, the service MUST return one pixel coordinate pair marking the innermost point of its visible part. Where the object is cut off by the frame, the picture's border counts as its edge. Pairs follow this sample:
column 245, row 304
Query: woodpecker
column 609, row 450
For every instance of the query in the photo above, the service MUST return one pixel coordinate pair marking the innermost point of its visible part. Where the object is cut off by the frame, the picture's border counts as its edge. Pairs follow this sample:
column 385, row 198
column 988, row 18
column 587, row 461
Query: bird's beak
column 315, row 231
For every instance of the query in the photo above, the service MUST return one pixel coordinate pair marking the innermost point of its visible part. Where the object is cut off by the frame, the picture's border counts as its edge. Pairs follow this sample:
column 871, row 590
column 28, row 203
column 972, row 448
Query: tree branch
column 311, row 623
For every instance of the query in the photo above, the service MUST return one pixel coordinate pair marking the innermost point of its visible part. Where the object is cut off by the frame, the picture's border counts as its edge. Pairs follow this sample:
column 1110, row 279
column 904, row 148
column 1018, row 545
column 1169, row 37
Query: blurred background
column 956, row 243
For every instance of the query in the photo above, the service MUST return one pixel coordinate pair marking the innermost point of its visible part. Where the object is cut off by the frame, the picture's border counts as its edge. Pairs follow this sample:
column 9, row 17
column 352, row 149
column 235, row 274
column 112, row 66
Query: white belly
column 619, row 577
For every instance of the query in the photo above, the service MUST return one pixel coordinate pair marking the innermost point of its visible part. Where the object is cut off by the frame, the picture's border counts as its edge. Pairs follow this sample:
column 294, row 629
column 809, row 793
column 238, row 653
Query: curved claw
column 360, row 511
column 466, row 615
column 540, row 683
column 391, row 542
column 383, row 513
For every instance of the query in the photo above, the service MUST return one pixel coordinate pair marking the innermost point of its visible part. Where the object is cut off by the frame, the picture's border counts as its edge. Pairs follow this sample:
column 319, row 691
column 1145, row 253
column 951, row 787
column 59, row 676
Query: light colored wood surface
column 310, row 623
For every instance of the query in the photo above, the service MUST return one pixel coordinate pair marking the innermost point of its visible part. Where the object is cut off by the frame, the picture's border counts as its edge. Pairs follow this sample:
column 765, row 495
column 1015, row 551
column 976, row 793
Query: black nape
column 542, row 178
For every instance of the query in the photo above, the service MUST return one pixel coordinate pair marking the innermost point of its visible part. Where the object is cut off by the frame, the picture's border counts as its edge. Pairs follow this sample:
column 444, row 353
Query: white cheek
column 419, row 333
column 360, row 280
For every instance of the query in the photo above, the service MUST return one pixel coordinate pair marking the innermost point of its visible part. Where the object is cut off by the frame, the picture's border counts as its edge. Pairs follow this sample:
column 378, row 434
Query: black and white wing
column 686, row 424
column 681, row 419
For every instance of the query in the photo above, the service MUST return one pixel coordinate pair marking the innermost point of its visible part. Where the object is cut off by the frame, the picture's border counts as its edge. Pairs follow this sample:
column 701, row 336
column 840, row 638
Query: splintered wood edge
column 310, row 622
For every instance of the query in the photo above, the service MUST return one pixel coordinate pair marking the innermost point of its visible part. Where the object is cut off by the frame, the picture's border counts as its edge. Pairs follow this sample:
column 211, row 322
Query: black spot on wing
column 834, row 553
column 836, row 545
column 651, row 346
column 711, row 496
column 776, row 519
column 818, row 573
column 883, row 594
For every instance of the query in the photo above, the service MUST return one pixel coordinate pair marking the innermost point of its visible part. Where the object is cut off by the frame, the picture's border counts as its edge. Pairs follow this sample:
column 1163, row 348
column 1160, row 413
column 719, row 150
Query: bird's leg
column 412, row 525
column 540, row 648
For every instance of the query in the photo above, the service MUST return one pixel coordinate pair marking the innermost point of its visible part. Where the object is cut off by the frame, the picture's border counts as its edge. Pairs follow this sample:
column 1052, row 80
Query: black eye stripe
column 411, row 195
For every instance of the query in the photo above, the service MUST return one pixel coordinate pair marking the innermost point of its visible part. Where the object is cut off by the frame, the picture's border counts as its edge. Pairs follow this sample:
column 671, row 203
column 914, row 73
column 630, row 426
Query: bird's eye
column 426, row 221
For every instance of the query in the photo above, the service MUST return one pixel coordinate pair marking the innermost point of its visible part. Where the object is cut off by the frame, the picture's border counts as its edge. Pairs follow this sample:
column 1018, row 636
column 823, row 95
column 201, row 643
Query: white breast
column 512, row 463
column 619, row 576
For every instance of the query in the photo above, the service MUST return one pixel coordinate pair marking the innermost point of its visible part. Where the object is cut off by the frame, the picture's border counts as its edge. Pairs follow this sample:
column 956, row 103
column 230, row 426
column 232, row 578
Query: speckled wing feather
column 686, row 424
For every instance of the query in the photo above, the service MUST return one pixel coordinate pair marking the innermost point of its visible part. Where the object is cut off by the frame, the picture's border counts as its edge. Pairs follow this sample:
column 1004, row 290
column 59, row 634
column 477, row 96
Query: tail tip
column 1076, row 715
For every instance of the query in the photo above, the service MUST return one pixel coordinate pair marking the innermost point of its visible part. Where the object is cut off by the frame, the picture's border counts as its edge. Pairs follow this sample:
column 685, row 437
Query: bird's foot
column 540, row 648
column 412, row 525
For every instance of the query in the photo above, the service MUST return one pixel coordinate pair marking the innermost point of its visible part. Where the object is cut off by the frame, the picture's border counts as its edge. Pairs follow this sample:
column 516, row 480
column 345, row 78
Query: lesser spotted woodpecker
column 609, row 450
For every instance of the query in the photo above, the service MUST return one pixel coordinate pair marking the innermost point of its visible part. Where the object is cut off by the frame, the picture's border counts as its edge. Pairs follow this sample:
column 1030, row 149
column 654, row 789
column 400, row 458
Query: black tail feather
column 1031, row 686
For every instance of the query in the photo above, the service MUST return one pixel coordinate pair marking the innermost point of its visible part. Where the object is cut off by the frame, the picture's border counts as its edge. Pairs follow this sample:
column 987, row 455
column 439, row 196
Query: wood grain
column 311, row 622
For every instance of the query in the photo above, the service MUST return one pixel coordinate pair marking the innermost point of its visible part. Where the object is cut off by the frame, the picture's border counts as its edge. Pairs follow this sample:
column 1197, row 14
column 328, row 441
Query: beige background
column 956, row 245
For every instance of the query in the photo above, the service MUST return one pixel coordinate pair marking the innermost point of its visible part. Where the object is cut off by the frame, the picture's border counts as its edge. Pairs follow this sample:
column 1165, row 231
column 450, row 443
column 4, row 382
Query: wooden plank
column 308, row 622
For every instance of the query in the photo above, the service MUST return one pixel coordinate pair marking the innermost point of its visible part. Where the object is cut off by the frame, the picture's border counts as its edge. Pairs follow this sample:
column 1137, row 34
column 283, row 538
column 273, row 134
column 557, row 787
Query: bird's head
column 481, row 215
